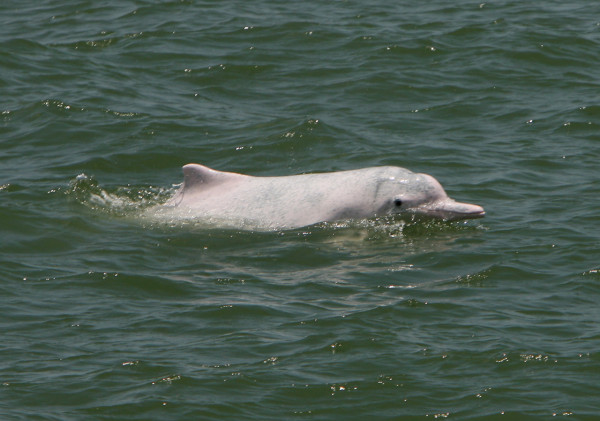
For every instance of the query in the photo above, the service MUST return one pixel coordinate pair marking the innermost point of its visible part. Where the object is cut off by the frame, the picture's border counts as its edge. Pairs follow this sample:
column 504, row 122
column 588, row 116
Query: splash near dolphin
column 288, row 202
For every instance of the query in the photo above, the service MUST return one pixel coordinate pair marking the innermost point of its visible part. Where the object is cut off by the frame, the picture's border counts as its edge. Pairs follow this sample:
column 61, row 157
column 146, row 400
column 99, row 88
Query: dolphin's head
column 405, row 192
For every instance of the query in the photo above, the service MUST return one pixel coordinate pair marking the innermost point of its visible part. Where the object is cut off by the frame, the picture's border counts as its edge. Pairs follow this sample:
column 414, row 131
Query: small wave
column 119, row 201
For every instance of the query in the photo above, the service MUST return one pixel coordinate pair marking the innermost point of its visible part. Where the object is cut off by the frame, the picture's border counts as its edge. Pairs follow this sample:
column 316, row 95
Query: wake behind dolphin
column 288, row 202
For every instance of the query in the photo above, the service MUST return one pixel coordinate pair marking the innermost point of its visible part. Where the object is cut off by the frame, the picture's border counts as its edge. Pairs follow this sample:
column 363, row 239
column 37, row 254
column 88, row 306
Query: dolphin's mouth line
column 466, row 215
column 447, row 216
column 451, row 211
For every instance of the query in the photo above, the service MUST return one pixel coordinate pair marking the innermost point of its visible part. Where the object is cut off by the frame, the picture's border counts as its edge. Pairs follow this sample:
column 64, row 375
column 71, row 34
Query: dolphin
column 295, row 201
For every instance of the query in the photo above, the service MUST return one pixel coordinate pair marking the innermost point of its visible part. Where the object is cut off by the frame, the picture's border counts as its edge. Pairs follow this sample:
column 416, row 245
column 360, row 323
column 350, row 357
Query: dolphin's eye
column 398, row 202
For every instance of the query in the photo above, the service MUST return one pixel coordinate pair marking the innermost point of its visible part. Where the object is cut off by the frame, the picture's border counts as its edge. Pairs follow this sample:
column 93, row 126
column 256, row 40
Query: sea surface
column 107, row 315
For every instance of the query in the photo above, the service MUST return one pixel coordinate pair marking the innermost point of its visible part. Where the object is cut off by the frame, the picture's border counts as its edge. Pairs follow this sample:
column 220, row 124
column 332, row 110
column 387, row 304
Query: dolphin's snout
column 451, row 210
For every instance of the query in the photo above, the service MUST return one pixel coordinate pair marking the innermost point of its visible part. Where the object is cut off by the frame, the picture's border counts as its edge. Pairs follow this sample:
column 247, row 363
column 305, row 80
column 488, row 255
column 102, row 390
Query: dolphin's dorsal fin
column 199, row 176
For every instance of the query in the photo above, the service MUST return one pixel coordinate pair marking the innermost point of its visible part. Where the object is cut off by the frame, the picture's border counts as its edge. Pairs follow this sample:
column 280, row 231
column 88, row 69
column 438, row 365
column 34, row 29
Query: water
column 105, row 315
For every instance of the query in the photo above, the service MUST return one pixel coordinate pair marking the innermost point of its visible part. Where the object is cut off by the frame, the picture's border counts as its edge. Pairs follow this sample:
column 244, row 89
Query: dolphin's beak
column 451, row 210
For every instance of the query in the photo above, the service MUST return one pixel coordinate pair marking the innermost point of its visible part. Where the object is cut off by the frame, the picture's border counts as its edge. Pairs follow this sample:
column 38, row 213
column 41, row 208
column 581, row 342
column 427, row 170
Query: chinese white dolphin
column 288, row 202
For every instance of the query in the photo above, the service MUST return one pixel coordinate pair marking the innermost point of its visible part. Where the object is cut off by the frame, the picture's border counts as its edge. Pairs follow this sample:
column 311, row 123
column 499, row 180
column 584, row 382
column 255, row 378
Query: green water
column 106, row 315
